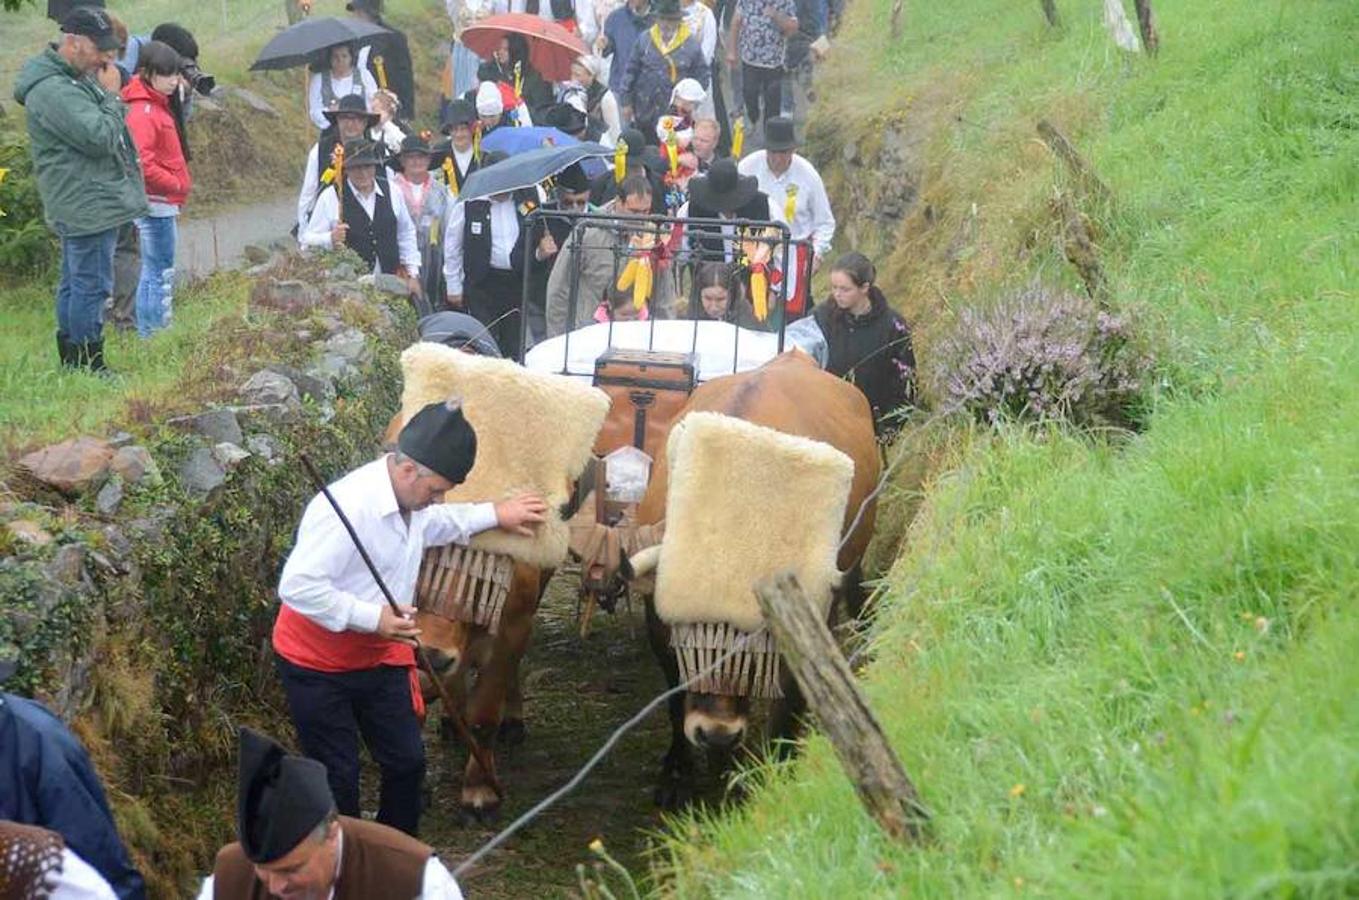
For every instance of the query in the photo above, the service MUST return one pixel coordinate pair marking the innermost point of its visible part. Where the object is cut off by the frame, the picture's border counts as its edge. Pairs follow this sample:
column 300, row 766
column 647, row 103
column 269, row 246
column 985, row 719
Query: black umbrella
column 527, row 169
column 296, row 45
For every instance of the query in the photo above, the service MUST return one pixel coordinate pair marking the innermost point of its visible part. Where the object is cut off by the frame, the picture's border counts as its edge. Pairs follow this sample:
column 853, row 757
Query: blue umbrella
column 527, row 169
column 512, row 141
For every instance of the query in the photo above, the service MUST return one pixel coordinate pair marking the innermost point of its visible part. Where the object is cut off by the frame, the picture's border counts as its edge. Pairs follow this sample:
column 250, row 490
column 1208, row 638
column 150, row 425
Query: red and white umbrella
column 552, row 48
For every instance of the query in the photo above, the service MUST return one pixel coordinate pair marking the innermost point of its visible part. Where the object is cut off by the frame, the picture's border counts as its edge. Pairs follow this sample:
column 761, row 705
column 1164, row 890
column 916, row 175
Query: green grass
column 40, row 402
column 1154, row 639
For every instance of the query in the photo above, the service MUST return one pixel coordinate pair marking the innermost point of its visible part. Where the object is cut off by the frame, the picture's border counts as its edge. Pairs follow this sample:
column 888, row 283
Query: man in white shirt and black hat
column 345, row 657
column 351, row 119
column 797, row 197
column 366, row 215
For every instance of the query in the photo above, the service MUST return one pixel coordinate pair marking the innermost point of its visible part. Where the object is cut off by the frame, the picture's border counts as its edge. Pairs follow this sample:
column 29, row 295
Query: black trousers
column 760, row 84
column 332, row 709
column 496, row 297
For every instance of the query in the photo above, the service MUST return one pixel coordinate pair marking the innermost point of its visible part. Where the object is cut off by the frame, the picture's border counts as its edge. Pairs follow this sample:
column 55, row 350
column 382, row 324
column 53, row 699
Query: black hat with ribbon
column 779, row 134
column 458, row 112
column 440, row 438
column 281, row 798
column 361, row 152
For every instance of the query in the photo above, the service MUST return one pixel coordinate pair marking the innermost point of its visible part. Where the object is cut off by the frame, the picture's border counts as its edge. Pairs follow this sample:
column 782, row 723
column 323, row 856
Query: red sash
column 303, row 643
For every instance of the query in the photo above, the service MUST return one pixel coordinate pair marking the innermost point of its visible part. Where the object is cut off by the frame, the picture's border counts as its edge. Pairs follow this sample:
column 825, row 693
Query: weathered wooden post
column 1146, row 23
column 1050, row 13
column 810, row 652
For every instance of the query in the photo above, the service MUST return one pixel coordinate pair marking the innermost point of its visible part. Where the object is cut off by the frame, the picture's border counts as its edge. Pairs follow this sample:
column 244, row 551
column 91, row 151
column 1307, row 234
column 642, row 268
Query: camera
column 199, row 81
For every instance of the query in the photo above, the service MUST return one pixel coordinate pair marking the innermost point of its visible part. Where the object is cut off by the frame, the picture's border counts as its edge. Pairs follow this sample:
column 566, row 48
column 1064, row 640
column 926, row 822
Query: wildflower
column 1262, row 624
column 1018, row 790
column 596, row 846
column 1239, row 655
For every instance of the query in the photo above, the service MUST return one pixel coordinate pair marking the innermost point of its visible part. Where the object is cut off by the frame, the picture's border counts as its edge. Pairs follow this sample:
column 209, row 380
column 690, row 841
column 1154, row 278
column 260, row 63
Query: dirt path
column 577, row 693
column 219, row 241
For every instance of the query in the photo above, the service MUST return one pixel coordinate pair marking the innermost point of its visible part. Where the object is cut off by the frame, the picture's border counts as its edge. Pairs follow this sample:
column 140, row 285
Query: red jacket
column 153, row 128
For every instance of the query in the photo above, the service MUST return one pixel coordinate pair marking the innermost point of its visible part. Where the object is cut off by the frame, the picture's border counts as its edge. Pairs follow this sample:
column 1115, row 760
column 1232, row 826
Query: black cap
column 281, row 798
column 667, row 9
column 459, row 331
column 94, row 24
column 440, row 438
column 778, row 134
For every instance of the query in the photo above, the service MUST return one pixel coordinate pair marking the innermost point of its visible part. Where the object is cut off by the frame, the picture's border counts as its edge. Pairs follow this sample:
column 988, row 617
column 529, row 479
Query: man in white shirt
column 351, row 119
column 484, row 260
column 375, row 223
column 294, row 844
column 797, row 197
column 344, row 656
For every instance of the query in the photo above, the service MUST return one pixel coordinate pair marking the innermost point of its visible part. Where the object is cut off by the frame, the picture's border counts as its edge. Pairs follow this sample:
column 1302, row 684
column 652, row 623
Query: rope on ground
column 542, row 805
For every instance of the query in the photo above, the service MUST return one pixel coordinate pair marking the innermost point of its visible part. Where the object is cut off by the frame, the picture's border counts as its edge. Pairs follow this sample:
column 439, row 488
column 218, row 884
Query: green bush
column 27, row 247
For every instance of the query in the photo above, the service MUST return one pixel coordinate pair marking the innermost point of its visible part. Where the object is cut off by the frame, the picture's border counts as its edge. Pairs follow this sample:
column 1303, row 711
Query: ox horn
column 644, row 561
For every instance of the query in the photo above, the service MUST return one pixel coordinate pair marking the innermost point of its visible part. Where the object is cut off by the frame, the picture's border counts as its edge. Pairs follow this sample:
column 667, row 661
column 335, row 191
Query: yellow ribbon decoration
column 519, row 80
column 450, row 176
column 476, row 142
column 3, row 173
column 665, row 49
column 328, row 175
column 381, row 72
column 672, row 152
column 790, row 204
column 620, row 161
column 738, row 138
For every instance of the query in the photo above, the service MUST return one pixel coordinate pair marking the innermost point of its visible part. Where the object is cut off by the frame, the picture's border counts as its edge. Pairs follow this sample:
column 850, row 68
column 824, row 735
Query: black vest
column 375, row 239
column 476, row 236
column 711, row 240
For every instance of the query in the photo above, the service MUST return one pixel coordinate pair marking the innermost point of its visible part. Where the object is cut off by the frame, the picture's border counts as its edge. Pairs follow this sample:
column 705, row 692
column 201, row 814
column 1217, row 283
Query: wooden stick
column 1075, row 163
column 454, row 714
column 1146, row 23
column 821, row 671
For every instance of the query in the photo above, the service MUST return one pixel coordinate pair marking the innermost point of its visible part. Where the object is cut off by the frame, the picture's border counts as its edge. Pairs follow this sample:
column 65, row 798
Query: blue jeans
column 86, row 282
column 155, row 291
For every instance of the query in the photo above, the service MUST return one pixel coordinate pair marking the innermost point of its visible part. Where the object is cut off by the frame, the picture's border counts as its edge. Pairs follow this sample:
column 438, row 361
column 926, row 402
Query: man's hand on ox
column 398, row 628
column 519, row 514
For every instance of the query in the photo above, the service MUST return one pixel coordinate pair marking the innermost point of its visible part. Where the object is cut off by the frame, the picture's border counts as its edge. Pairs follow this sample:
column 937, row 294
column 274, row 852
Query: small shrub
column 1043, row 354
column 27, row 247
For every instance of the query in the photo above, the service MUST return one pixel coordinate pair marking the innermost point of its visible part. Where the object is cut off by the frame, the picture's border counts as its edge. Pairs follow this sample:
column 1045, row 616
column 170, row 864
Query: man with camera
column 89, row 175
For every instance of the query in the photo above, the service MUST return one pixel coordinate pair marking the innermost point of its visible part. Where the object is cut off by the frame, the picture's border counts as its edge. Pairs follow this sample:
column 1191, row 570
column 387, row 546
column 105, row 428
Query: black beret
column 281, row 798
column 440, row 438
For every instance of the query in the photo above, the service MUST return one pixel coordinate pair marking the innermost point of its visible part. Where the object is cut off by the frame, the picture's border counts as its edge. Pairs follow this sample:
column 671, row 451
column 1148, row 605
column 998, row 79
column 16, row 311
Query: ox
column 789, row 394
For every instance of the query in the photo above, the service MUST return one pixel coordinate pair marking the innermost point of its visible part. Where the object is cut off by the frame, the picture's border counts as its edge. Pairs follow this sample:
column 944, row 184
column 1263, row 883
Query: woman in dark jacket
column 867, row 343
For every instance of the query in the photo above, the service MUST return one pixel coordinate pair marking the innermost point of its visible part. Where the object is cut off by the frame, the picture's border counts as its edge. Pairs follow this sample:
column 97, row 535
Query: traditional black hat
column 667, row 9
column 778, row 134
column 351, row 105
column 415, row 143
column 440, row 438
column 723, row 189
column 281, row 798
column 361, row 152
column 458, row 112
column 573, row 179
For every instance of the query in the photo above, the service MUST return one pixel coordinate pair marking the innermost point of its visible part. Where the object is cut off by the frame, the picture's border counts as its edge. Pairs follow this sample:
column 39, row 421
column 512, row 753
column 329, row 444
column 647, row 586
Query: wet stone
column 214, row 424
column 67, row 565
column 200, row 473
column 110, row 497
column 72, row 466
column 268, row 388
column 229, row 455
column 135, row 466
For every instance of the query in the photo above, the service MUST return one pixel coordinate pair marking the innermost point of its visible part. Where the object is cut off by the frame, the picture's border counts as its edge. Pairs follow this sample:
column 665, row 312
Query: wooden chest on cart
column 646, row 388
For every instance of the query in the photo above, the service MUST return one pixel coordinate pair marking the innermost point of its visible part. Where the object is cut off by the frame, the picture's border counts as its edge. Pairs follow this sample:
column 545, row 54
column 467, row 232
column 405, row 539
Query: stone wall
column 137, row 573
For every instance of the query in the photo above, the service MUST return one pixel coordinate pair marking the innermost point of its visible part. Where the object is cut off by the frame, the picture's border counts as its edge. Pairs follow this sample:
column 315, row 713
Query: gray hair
column 399, row 457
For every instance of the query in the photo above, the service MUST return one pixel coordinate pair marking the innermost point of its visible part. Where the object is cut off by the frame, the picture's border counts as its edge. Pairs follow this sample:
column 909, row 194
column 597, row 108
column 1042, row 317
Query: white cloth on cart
column 721, row 348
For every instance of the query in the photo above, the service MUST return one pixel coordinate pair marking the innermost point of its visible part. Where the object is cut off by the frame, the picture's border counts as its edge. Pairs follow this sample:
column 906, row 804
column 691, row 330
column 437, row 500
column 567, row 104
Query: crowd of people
column 726, row 236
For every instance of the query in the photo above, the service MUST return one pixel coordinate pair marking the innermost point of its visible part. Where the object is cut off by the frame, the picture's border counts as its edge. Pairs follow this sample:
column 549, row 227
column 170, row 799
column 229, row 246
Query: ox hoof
column 479, row 805
column 511, row 733
column 675, row 791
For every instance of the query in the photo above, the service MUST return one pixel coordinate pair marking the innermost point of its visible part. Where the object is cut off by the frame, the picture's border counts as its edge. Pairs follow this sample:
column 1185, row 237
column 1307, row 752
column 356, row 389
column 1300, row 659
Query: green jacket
column 89, row 175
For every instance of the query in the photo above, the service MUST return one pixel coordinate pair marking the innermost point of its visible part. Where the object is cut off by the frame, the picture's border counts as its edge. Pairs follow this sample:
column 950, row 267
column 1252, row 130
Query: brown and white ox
column 789, row 394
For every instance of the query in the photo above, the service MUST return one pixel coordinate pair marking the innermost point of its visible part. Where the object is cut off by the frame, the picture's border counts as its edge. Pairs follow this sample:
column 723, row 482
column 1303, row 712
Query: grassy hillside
column 1113, row 670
